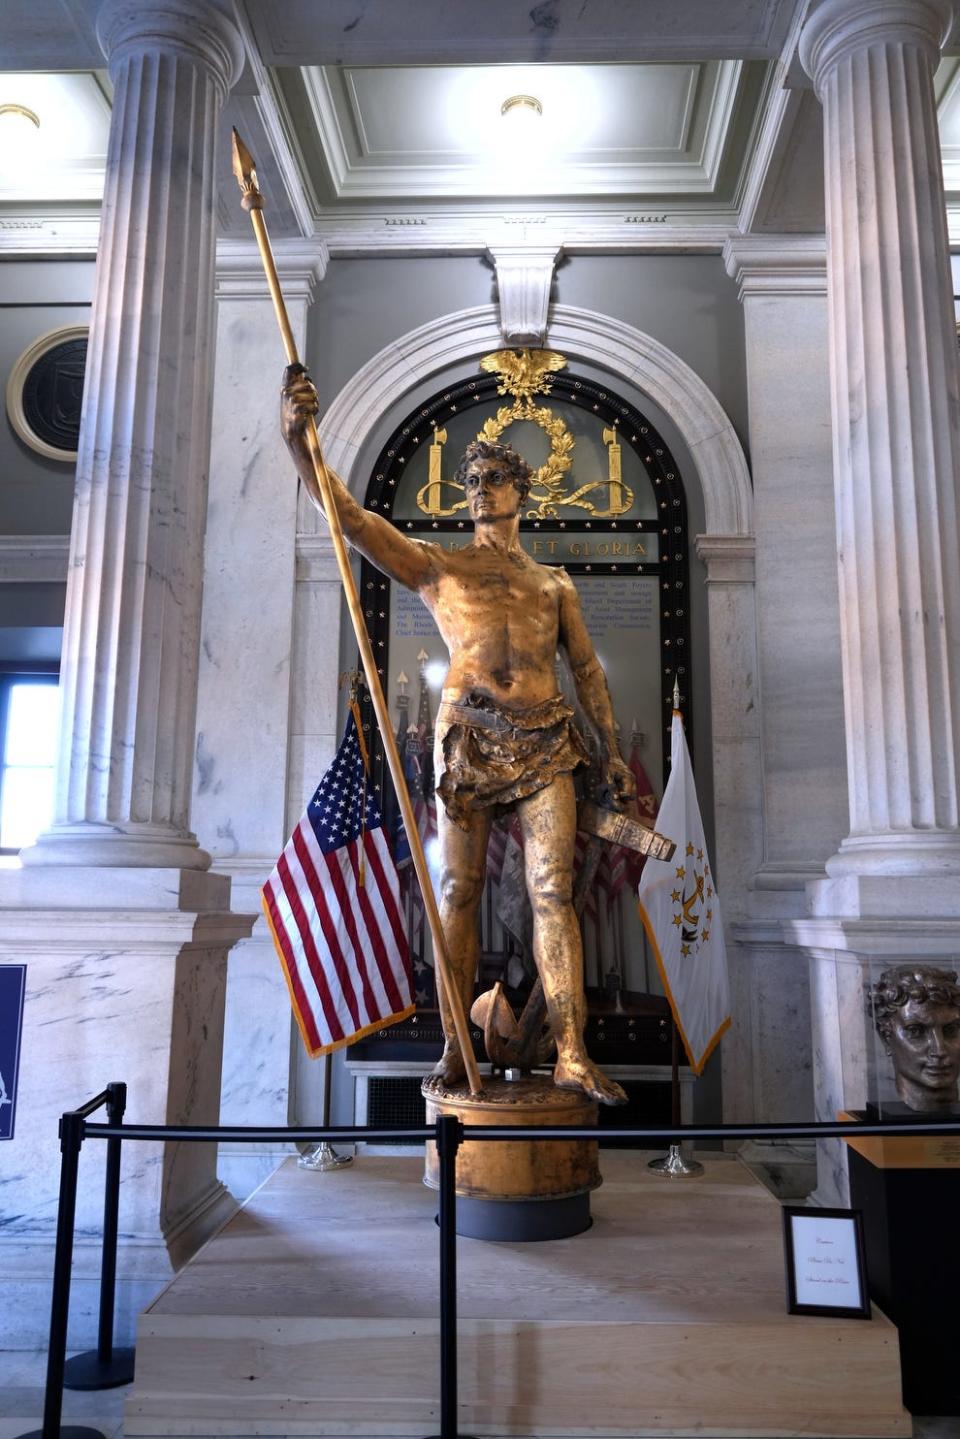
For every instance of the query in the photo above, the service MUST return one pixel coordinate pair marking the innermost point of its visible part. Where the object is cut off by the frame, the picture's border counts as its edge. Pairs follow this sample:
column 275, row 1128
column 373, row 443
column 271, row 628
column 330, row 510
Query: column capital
column 196, row 30
column 835, row 29
column 777, row 264
column 301, row 265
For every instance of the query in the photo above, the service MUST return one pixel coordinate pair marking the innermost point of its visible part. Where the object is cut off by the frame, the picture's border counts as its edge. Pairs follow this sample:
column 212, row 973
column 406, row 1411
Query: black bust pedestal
column 909, row 1192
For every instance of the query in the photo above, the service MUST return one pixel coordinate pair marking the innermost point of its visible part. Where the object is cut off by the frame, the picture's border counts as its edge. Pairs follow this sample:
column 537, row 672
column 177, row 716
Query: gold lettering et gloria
column 565, row 548
column 505, row 737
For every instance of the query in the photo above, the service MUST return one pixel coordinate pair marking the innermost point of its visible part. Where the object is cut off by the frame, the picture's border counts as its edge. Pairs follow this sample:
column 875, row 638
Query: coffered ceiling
column 64, row 157
column 376, row 124
column 414, row 133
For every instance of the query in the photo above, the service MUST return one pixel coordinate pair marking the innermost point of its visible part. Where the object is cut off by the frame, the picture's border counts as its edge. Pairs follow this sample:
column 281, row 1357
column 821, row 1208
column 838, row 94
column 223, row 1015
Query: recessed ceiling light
column 529, row 103
column 18, row 112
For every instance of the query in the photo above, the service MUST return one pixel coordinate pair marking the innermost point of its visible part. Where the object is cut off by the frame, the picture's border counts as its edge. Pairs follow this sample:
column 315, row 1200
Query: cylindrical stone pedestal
column 518, row 1189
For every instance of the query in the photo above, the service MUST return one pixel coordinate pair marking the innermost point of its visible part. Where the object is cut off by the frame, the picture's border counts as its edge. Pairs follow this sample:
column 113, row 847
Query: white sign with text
column 825, row 1265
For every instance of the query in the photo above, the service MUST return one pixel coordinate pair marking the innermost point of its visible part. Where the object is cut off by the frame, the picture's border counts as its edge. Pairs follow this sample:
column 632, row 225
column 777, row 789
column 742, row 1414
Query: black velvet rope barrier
column 107, row 1366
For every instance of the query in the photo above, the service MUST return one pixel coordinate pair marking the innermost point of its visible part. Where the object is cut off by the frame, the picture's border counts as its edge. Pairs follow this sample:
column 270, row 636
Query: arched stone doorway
column 354, row 424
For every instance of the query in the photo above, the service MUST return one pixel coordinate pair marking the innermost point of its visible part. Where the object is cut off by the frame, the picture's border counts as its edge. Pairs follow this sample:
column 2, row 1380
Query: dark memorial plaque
column 53, row 393
column 13, row 979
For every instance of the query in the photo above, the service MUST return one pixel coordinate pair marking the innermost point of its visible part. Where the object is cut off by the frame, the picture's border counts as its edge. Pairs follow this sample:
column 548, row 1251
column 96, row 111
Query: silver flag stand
column 673, row 1165
column 323, row 1157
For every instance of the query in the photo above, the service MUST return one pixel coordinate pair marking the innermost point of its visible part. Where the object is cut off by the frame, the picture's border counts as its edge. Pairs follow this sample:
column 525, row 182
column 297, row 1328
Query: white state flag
column 681, row 914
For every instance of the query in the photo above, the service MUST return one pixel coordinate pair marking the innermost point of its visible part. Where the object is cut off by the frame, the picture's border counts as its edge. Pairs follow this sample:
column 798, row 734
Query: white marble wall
column 797, row 688
column 738, row 815
column 804, row 768
column 244, row 743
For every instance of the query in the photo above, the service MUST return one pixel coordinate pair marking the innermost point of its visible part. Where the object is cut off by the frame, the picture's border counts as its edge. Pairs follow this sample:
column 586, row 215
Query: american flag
column 333, row 907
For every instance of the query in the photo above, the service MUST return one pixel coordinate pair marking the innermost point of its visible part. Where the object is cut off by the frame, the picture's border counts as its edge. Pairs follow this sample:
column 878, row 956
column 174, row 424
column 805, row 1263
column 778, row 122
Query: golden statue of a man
column 504, row 736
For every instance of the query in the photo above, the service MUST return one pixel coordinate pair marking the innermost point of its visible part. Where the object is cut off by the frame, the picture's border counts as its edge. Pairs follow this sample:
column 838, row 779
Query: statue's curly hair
column 515, row 465
column 896, row 987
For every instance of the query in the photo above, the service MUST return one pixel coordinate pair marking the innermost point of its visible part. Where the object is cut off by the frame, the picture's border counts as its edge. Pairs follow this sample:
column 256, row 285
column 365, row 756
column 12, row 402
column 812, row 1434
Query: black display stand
column 913, row 1269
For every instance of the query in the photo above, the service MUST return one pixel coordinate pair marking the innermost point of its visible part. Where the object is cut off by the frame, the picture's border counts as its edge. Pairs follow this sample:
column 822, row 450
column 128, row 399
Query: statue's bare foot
column 584, row 1074
column 450, row 1068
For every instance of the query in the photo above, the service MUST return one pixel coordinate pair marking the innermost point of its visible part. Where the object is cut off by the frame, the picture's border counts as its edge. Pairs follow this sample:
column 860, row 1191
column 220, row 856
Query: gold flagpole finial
column 244, row 169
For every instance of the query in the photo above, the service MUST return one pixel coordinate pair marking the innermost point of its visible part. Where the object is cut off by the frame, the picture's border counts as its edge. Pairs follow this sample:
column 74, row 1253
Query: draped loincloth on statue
column 488, row 756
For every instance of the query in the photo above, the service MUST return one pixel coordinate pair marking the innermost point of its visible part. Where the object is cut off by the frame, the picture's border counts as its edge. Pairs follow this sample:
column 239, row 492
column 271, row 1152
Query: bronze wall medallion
column 45, row 393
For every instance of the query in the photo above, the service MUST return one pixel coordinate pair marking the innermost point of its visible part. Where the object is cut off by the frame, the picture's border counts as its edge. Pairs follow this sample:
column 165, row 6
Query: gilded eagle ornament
column 523, row 373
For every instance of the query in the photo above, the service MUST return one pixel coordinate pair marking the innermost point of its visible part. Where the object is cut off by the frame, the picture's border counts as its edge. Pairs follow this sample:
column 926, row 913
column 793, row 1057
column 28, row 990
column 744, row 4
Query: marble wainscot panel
column 776, row 987
column 128, row 995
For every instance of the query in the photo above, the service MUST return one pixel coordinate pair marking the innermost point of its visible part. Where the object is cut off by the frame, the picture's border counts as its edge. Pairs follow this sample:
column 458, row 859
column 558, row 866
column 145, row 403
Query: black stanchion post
column 448, row 1142
column 71, row 1139
column 449, row 1136
column 449, row 1139
column 106, row 1367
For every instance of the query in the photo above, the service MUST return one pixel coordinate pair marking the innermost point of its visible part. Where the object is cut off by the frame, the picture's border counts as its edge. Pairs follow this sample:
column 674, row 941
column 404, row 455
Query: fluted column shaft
column 896, row 439
column 131, row 640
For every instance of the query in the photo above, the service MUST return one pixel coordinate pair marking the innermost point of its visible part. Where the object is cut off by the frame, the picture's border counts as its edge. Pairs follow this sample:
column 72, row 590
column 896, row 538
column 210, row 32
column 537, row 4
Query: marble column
column 891, row 894
column 132, row 628
column 244, row 747
column 124, row 931
column 896, row 447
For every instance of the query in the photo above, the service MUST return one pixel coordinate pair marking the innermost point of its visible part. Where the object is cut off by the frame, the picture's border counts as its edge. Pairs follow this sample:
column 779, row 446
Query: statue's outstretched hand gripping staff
column 252, row 201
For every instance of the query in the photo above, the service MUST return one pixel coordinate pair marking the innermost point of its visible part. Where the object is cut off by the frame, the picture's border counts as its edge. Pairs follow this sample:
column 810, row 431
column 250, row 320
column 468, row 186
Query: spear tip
column 246, row 174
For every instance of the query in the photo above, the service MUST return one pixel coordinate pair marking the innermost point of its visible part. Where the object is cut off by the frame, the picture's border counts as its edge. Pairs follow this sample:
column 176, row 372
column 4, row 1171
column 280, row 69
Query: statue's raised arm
column 408, row 561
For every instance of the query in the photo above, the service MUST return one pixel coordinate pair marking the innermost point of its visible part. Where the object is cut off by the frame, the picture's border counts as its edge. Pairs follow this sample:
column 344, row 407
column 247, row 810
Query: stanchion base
column 323, row 1158
column 674, row 1166
column 87, row 1371
column 67, row 1431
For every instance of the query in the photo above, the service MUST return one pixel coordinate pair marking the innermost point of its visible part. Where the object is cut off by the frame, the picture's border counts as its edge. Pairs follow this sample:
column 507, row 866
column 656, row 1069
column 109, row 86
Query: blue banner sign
column 13, row 983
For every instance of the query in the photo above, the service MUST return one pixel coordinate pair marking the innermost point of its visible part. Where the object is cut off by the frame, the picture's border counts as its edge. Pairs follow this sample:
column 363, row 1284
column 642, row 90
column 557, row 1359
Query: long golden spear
column 252, row 202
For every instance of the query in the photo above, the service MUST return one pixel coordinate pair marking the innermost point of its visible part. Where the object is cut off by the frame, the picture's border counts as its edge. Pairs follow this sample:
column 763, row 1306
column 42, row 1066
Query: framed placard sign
column 826, row 1270
column 13, row 978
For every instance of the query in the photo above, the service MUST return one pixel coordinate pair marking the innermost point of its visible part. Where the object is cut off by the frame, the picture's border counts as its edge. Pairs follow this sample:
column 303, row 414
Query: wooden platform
column 315, row 1312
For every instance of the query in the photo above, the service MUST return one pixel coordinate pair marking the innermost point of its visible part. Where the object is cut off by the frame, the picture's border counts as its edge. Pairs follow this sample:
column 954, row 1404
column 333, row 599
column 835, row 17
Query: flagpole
column 674, row 1165
column 252, row 202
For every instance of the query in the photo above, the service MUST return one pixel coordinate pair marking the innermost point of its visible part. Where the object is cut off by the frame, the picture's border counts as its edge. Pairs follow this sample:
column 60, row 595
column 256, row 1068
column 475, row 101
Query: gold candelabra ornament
column 524, row 375
column 253, row 202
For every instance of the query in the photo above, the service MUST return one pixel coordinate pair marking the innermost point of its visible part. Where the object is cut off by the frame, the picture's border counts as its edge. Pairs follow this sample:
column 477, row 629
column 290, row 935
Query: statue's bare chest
column 490, row 584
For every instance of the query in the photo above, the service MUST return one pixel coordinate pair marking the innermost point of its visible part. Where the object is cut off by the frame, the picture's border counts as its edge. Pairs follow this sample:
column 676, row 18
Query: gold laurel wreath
column 549, row 477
